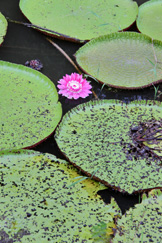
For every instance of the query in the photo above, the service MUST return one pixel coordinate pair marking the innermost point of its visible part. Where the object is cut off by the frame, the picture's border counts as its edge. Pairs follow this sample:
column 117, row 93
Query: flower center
column 74, row 86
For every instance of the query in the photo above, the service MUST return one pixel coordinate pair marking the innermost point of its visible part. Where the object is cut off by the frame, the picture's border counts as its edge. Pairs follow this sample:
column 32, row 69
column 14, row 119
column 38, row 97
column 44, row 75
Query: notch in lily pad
column 100, row 138
column 141, row 224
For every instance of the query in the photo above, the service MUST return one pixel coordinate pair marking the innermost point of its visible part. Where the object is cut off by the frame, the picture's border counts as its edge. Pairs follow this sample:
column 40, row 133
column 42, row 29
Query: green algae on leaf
column 3, row 27
column 126, row 60
column 29, row 107
column 149, row 20
column 142, row 223
column 37, row 205
column 80, row 20
column 96, row 136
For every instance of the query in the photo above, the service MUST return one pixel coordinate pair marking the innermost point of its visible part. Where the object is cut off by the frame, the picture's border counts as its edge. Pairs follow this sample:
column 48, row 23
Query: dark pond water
column 22, row 44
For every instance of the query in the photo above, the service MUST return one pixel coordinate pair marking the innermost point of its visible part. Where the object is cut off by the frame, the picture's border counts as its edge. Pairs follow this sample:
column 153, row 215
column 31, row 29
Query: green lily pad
column 125, row 60
column 97, row 137
column 30, row 110
column 3, row 27
column 38, row 203
column 80, row 20
column 142, row 223
column 149, row 20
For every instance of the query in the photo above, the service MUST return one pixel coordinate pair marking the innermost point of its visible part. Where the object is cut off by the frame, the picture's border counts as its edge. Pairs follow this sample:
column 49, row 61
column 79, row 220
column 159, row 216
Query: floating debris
column 34, row 64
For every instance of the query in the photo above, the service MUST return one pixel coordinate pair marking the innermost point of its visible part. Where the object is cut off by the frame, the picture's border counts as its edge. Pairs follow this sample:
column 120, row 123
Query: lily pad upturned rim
column 118, row 35
column 5, row 23
column 75, row 38
column 34, row 76
column 93, row 174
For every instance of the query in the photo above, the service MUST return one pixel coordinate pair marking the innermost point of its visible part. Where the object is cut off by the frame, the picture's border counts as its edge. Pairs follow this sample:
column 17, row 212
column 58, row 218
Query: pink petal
column 62, row 81
column 83, row 94
column 61, row 86
column 76, row 96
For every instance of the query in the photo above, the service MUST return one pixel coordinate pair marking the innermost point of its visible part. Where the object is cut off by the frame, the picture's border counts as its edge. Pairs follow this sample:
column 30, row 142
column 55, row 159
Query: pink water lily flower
column 74, row 86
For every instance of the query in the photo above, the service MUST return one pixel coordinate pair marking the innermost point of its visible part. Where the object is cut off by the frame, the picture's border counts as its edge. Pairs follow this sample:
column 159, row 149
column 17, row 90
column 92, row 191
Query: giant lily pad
column 29, row 107
column 3, row 27
column 80, row 20
column 126, row 60
column 39, row 202
column 97, row 137
column 149, row 19
column 141, row 224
